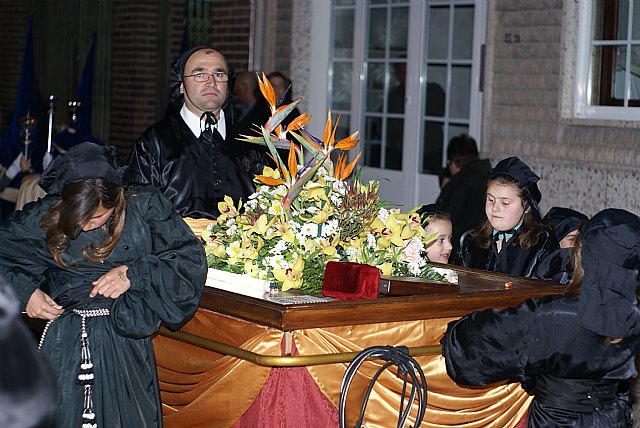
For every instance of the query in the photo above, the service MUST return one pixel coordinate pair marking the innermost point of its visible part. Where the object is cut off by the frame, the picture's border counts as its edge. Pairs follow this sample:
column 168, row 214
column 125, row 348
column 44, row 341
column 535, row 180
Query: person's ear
column 182, row 88
column 527, row 207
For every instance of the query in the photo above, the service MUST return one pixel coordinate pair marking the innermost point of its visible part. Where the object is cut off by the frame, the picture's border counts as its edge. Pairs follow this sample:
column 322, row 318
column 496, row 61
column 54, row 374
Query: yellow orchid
column 228, row 207
column 261, row 225
column 251, row 268
column 414, row 222
column 276, row 209
column 325, row 246
column 282, row 230
column 249, row 251
column 386, row 269
column 316, row 191
column 290, row 277
column 319, row 216
column 213, row 243
column 207, row 234
column 390, row 232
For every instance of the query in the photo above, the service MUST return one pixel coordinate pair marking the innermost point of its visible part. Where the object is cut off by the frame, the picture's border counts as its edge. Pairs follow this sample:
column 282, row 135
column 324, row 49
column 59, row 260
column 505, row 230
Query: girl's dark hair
column 77, row 204
column 430, row 212
column 529, row 232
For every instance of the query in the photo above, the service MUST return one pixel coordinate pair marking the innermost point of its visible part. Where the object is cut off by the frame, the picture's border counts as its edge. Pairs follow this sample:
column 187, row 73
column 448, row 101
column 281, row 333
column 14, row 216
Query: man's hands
column 112, row 284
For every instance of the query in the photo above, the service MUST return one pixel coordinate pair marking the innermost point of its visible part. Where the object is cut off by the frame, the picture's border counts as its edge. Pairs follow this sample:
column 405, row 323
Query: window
column 608, row 66
column 449, row 63
column 342, row 64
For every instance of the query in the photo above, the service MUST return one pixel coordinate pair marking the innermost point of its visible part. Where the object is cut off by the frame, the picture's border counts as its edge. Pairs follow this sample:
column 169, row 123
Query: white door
column 406, row 73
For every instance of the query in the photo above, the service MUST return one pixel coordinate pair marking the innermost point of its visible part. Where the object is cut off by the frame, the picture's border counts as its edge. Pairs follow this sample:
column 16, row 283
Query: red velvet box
column 346, row 280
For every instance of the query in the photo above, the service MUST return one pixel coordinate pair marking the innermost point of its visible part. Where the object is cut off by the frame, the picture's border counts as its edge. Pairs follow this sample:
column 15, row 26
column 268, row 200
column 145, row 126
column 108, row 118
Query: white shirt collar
column 196, row 125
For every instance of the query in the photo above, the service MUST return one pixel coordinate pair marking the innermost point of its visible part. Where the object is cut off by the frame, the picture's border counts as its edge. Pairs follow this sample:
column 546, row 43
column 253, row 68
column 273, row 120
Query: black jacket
column 512, row 260
column 538, row 341
column 193, row 175
column 464, row 197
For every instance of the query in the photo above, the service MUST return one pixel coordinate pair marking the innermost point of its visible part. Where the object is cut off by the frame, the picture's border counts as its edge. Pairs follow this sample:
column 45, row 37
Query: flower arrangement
column 305, row 213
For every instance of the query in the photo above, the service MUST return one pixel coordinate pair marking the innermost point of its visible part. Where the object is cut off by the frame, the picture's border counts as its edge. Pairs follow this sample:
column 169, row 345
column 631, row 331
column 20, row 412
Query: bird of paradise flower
column 295, row 173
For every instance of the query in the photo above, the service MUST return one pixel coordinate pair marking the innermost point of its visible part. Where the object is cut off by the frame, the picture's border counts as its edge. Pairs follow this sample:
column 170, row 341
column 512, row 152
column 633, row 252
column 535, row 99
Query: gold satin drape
column 201, row 388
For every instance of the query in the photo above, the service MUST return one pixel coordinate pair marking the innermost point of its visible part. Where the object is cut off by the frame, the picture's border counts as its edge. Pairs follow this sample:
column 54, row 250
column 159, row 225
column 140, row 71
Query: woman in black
column 574, row 352
column 105, row 265
column 512, row 240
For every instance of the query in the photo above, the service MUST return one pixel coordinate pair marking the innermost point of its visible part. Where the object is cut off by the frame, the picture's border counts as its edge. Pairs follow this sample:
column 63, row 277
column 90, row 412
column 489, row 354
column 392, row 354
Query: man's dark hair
column 462, row 150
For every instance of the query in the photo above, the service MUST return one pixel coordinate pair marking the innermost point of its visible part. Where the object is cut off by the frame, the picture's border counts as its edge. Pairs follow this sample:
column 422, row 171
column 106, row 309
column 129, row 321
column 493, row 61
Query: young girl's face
column 440, row 248
column 504, row 207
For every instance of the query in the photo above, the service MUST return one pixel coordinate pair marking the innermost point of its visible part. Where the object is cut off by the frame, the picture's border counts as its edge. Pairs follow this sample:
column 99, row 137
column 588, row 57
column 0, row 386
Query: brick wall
column 230, row 30
column 14, row 23
column 524, row 109
column 137, row 61
column 283, row 36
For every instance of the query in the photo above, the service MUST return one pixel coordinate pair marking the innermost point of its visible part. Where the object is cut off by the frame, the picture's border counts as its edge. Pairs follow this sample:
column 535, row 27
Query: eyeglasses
column 218, row 76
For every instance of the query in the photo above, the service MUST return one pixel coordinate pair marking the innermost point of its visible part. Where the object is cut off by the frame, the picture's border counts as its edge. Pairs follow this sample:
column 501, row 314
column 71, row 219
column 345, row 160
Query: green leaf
column 279, row 116
column 272, row 148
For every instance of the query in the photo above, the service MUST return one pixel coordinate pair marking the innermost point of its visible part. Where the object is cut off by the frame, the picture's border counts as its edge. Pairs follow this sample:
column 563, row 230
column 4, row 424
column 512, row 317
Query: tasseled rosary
column 86, row 376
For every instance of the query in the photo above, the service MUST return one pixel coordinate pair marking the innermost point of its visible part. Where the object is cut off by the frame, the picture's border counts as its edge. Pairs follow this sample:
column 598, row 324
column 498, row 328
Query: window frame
column 584, row 84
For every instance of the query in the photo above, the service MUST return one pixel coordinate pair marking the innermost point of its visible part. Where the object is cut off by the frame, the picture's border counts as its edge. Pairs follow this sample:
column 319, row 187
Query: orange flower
column 267, row 91
column 342, row 170
column 298, row 122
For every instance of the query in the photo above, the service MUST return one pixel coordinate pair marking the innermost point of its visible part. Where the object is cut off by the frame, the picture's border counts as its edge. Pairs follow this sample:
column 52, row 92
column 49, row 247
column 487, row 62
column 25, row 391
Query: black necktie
column 207, row 134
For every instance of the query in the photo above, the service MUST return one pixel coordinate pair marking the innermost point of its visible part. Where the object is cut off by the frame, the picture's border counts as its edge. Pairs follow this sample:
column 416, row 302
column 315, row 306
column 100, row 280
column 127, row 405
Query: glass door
column 406, row 73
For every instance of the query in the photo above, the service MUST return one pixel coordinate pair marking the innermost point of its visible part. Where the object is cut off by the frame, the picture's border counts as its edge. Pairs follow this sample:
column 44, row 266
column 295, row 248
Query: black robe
column 167, row 270
column 556, row 267
column 538, row 341
column 194, row 176
column 511, row 260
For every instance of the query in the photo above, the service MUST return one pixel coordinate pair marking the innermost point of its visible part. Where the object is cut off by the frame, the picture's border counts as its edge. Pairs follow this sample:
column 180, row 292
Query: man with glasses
column 190, row 154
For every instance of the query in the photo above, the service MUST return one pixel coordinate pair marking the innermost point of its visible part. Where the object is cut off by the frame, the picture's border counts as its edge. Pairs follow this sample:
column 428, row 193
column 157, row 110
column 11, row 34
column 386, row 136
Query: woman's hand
column 112, row 284
column 40, row 305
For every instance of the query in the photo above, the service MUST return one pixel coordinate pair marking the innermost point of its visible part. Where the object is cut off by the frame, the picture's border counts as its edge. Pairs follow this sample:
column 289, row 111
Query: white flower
column 383, row 214
column 279, row 247
column 276, row 209
column 251, row 205
column 415, row 268
column 276, row 262
column 371, row 241
column 309, row 229
column 234, row 250
column 329, row 228
column 351, row 253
